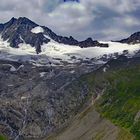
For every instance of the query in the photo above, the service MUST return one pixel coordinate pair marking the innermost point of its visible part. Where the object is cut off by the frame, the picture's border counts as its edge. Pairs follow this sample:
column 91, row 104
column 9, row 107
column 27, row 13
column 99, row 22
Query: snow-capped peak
column 57, row 52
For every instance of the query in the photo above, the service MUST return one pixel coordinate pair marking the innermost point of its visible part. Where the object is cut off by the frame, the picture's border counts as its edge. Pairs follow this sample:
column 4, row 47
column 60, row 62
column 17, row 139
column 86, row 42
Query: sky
column 99, row 19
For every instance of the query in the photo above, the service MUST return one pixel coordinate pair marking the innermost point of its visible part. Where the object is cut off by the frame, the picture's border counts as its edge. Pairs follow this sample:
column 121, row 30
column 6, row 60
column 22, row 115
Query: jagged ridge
column 133, row 39
column 18, row 31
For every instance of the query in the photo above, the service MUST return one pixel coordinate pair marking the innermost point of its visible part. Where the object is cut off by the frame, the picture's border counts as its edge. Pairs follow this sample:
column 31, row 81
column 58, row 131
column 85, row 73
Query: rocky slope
column 89, row 125
column 115, row 95
column 65, row 91
column 36, row 101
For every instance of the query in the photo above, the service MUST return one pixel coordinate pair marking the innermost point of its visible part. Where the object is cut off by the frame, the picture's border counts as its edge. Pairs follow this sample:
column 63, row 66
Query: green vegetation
column 120, row 102
column 125, row 135
column 2, row 137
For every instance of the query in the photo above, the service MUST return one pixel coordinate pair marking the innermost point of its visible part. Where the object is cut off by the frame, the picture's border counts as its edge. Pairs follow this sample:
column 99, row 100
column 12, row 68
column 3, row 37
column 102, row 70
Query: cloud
column 100, row 19
column 71, row 17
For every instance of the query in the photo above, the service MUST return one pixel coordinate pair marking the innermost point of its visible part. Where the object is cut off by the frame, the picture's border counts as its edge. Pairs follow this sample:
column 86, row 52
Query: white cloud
column 131, row 21
column 70, row 17
column 87, row 18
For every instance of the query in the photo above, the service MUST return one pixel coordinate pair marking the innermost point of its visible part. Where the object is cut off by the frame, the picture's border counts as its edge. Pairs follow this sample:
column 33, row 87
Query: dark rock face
column 18, row 31
column 67, row 40
column 31, row 105
column 1, row 27
column 90, row 43
column 133, row 39
column 60, row 39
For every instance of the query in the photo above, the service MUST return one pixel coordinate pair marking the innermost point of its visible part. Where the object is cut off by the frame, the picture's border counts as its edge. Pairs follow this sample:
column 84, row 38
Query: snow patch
column 10, row 85
column 21, row 66
column 26, row 48
column 42, row 74
column 23, row 98
column 37, row 30
column 13, row 69
column 21, row 38
column 47, row 37
column 104, row 69
column 73, row 71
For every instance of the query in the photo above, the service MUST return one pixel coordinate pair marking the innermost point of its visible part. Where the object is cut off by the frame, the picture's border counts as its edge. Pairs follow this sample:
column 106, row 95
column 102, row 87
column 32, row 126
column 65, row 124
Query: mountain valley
column 58, row 88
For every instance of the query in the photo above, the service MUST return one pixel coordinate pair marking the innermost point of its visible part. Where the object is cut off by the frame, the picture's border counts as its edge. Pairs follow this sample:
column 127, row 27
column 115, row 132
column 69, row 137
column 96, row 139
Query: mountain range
column 58, row 88
column 17, row 31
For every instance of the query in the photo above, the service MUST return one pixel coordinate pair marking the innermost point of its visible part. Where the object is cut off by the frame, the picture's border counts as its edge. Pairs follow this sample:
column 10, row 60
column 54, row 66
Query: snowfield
column 66, row 51
column 56, row 52
column 37, row 30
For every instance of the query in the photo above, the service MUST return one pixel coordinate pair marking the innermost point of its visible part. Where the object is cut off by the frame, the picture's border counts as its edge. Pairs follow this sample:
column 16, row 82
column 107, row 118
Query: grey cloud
column 100, row 19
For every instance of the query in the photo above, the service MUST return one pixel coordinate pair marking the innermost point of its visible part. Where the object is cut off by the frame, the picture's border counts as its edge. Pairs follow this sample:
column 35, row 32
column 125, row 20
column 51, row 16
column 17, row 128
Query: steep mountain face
column 1, row 27
column 18, row 31
column 115, row 89
column 34, row 100
column 133, row 39
column 39, row 100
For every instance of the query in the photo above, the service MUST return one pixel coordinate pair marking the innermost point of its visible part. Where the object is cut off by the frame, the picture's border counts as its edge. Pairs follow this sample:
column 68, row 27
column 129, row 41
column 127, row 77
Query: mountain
column 114, row 95
column 21, row 39
column 53, row 103
column 18, row 31
column 70, row 90
column 1, row 27
column 133, row 39
column 89, row 42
